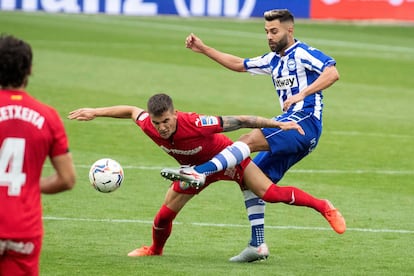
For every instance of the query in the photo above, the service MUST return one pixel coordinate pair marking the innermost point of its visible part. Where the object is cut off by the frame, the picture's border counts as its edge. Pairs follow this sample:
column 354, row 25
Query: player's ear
column 290, row 29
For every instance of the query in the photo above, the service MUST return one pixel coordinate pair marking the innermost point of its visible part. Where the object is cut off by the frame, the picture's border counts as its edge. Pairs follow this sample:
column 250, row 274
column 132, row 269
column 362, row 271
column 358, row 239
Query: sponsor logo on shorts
column 19, row 247
column 184, row 185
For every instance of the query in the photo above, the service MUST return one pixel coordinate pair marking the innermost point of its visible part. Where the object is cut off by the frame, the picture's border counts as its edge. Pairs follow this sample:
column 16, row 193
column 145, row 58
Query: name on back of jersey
column 17, row 112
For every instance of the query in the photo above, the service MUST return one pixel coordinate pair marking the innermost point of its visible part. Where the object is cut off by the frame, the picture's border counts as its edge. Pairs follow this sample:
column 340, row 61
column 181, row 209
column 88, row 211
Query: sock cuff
column 167, row 211
column 248, row 194
column 164, row 217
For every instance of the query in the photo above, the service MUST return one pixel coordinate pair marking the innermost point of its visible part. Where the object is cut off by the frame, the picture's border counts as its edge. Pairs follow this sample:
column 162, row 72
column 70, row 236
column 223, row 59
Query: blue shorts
column 288, row 147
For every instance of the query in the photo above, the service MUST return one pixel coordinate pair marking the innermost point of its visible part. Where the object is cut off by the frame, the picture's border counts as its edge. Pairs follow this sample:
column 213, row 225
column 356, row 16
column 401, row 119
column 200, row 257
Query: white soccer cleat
column 252, row 254
column 186, row 174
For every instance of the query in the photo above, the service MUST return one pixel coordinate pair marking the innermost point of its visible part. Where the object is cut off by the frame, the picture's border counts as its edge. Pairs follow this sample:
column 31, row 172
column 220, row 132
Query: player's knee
column 255, row 141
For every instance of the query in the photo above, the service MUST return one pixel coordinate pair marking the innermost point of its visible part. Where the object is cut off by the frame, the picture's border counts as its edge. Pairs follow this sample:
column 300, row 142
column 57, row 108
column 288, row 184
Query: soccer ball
column 106, row 175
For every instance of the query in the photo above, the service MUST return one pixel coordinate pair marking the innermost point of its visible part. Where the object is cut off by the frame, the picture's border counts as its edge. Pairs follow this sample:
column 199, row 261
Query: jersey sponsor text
column 286, row 82
column 182, row 152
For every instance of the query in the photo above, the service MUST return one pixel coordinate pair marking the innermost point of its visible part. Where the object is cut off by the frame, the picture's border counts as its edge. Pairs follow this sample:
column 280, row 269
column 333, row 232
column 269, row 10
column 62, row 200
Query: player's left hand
column 291, row 125
column 82, row 114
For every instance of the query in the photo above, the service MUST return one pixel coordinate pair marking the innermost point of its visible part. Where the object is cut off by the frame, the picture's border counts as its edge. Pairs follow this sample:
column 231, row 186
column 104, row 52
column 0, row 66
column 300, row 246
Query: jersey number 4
column 11, row 165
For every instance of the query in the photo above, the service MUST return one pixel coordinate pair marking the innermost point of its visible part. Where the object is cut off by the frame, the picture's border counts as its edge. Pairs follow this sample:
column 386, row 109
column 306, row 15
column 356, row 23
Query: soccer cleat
column 143, row 251
column 186, row 174
column 335, row 218
column 252, row 254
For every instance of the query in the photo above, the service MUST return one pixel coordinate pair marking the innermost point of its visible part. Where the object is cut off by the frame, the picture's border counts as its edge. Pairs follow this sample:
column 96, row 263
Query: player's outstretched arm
column 119, row 111
column 236, row 122
column 229, row 61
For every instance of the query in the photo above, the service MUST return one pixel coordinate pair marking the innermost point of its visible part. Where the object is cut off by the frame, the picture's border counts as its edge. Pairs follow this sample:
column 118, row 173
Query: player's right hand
column 194, row 43
column 82, row 114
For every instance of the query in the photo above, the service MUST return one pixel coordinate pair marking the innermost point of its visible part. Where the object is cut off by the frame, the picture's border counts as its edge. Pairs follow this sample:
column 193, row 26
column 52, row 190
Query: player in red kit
column 191, row 138
column 30, row 131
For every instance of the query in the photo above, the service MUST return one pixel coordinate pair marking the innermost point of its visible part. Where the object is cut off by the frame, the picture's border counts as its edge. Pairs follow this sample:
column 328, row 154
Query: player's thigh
column 292, row 142
column 255, row 140
column 256, row 180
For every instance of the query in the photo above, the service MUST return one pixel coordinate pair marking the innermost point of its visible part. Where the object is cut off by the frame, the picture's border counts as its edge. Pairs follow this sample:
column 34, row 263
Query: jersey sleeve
column 259, row 65
column 314, row 59
column 60, row 143
column 208, row 124
column 141, row 120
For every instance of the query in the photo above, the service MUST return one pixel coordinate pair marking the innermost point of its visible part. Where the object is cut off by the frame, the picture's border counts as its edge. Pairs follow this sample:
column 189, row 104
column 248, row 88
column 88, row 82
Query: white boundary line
column 381, row 172
column 204, row 224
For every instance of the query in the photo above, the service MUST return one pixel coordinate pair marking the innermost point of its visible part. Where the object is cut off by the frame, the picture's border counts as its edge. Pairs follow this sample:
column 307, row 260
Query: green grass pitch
column 364, row 163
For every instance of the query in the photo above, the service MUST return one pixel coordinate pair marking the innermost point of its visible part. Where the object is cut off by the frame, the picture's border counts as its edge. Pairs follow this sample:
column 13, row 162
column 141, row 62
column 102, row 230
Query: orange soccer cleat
column 143, row 251
column 335, row 218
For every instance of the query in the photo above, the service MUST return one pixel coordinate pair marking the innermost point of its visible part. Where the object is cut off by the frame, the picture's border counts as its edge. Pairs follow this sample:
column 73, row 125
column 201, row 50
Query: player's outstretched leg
column 295, row 196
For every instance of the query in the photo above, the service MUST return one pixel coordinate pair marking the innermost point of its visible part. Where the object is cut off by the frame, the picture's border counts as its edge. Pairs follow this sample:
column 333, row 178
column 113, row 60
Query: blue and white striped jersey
column 298, row 68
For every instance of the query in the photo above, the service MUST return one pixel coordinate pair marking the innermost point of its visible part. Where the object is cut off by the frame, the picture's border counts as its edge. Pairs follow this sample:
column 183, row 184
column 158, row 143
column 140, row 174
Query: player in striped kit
column 299, row 74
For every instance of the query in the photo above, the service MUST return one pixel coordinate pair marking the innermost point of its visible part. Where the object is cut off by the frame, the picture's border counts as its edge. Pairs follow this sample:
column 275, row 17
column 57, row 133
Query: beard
column 279, row 46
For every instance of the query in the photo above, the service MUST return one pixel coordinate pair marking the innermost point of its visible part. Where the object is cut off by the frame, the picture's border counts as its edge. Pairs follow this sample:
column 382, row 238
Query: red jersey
column 196, row 140
column 30, row 131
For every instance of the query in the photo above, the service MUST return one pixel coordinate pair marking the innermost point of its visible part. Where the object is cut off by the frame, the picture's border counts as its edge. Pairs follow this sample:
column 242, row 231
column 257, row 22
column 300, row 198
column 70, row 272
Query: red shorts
column 230, row 174
column 20, row 257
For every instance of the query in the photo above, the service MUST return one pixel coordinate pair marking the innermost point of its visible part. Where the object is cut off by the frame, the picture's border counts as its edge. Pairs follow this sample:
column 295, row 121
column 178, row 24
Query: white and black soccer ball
column 106, row 175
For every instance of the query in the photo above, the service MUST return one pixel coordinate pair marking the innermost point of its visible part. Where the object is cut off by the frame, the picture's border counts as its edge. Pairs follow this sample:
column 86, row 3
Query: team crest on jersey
column 207, row 121
column 291, row 64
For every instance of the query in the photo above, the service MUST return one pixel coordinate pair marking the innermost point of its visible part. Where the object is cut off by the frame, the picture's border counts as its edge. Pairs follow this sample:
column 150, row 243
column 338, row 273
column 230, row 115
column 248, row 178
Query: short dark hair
column 281, row 15
column 158, row 104
column 15, row 61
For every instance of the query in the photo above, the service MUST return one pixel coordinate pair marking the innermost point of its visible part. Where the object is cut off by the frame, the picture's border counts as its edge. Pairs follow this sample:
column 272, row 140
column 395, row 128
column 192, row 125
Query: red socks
column 293, row 196
column 161, row 228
